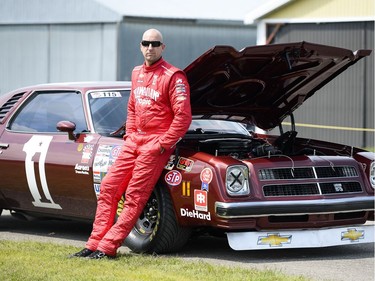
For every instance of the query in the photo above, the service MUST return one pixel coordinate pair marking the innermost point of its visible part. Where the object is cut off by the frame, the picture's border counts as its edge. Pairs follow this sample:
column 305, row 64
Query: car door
column 43, row 170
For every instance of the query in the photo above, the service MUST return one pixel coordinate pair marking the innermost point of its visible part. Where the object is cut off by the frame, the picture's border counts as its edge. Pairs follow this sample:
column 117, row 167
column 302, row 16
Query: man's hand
column 161, row 149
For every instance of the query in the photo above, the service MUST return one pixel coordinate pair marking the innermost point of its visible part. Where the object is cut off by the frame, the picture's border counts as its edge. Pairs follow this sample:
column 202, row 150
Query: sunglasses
column 154, row 44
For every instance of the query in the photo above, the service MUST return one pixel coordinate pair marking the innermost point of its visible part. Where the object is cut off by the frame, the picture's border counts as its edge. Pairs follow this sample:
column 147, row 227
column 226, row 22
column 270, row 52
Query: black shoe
column 99, row 255
column 82, row 254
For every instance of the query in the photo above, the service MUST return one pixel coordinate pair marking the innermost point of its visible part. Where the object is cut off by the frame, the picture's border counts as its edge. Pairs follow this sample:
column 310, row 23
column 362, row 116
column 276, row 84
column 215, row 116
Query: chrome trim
column 372, row 174
column 4, row 145
column 300, row 207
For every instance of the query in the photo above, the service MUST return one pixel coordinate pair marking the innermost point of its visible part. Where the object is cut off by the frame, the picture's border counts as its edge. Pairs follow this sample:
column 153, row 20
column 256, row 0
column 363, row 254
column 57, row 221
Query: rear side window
column 44, row 110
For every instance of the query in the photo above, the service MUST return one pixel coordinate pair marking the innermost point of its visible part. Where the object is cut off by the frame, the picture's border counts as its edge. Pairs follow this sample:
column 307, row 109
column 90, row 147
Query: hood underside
column 262, row 85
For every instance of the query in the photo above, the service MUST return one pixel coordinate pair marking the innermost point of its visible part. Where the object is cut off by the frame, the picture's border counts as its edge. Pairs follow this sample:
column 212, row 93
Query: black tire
column 157, row 230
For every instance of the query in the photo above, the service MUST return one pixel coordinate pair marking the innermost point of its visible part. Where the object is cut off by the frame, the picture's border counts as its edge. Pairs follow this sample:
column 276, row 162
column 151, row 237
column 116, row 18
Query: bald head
column 152, row 35
column 152, row 46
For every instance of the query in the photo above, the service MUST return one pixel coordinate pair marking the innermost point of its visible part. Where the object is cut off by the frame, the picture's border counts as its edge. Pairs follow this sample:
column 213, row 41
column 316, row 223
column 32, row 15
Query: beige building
column 342, row 111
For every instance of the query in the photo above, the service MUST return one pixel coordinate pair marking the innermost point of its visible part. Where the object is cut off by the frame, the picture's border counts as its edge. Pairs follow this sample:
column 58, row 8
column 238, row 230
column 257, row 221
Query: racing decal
column 274, row 240
column 169, row 166
column 38, row 145
column 206, row 177
column 200, row 200
column 180, row 90
column 82, row 169
column 185, row 188
column 173, row 178
column 100, row 168
column 120, row 205
column 205, row 186
column 195, row 214
column 185, row 164
column 80, row 147
column 144, row 95
column 88, row 138
column 353, row 235
column 115, row 152
column 87, row 153
column 104, row 159
column 97, row 189
column 140, row 78
column 155, row 79
column 98, row 95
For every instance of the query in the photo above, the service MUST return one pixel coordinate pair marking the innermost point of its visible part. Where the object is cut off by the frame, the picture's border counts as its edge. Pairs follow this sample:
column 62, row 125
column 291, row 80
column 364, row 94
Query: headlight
column 237, row 180
column 372, row 174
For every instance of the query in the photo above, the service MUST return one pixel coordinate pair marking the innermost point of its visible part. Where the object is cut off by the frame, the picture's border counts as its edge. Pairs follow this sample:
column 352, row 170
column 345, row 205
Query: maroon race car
column 57, row 142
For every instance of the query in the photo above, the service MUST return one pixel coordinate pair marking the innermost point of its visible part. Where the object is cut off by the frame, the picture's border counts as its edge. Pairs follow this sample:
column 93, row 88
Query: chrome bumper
column 298, row 207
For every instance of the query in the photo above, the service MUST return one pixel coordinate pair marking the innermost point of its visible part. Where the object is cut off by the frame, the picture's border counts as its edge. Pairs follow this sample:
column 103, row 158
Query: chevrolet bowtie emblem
column 352, row 234
column 274, row 240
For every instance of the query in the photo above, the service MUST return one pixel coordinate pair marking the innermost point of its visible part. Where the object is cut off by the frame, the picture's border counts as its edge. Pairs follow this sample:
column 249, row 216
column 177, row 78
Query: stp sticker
column 206, row 175
column 173, row 177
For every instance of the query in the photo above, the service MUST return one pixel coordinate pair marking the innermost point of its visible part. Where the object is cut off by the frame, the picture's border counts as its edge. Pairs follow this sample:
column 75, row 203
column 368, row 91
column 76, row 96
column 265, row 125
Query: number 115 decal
column 38, row 144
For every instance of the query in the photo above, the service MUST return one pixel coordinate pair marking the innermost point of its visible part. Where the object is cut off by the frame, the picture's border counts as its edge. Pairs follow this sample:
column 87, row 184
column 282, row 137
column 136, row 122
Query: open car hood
column 262, row 85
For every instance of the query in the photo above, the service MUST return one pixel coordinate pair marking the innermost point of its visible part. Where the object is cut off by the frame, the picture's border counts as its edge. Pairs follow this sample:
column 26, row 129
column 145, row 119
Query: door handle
column 4, row 145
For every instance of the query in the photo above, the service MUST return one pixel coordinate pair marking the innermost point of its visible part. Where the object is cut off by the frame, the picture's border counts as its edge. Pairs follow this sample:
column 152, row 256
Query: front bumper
column 315, row 238
column 298, row 207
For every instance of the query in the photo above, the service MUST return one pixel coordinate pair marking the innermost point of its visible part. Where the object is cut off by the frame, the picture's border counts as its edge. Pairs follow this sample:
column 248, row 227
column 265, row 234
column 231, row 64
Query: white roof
column 263, row 9
column 85, row 11
column 232, row 10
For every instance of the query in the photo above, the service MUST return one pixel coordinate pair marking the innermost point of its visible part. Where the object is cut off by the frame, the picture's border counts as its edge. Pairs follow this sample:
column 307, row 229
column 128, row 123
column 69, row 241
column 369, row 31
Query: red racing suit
column 159, row 115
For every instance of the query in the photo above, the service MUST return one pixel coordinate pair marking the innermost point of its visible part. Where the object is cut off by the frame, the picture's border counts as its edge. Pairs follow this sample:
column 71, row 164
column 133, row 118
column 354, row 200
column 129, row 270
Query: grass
column 46, row 261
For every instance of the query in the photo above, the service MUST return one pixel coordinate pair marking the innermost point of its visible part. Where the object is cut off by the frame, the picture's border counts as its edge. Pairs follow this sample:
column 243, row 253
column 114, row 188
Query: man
column 159, row 115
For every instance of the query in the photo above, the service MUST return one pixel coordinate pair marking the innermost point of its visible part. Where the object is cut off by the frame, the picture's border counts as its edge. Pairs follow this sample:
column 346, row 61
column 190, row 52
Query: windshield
column 108, row 110
column 217, row 126
column 108, row 113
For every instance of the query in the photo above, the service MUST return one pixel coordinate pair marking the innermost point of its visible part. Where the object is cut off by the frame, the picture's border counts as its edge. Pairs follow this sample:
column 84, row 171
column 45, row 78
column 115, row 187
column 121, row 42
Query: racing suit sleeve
column 179, row 96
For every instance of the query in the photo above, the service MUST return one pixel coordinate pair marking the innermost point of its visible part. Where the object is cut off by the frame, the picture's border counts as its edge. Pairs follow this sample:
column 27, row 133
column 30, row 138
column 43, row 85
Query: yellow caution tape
column 330, row 127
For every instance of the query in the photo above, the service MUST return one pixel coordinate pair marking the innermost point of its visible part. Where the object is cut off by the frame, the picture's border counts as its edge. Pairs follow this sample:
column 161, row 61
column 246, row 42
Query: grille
column 304, row 189
column 286, row 173
column 307, row 173
column 291, row 189
column 336, row 181
column 342, row 187
column 335, row 172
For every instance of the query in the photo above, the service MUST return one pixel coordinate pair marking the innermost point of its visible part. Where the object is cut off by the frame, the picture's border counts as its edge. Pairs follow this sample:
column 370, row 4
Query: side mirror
column 67, row 126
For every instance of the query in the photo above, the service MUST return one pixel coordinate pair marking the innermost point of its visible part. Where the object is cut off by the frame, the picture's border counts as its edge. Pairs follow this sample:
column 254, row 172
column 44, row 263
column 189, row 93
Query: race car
column 261, row 191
